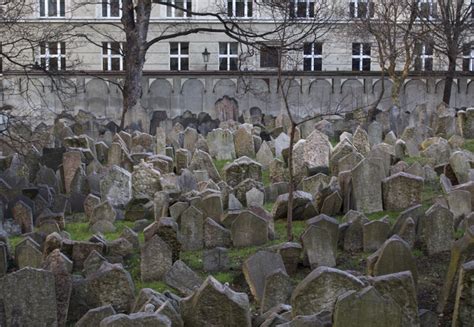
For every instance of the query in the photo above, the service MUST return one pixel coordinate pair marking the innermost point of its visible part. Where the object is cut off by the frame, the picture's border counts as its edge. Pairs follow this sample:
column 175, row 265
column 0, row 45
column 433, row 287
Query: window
column 302, row 8
column 111, row 8
column 427, row 9
column 424, row 58
column 175, row 12
column 468, row 57
column 239, row 8
column 361, row 57
column 53, row 55
column 228, row 55
column 52, row 8
column 179, row 56
column 361, row 9
column 313, row 56
column 269, row 57
column 1, row 57
column 112, row 56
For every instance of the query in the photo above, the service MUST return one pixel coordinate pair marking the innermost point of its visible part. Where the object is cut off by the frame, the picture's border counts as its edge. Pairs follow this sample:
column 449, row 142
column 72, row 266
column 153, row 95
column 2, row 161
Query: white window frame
column 470, row 57
column 179, row 55
column 109, row 10
column 313, row 56
column 246, row 8
column 424, row 57
column 48, row 56
column 228, row 56
column 356, row 8
column 308, row 4
column 109, row 55
column 46, row 9
column 361, row 56
column 173, row 10
column 431, row 3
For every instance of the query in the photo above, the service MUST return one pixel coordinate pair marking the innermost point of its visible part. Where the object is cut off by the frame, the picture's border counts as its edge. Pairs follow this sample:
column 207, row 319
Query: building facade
column 193, row 72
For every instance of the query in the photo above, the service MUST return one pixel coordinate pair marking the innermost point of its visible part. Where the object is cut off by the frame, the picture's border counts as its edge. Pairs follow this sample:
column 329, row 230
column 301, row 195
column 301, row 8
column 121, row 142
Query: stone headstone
column 71, row 162
column 401, row 191
column 248, row 229
column 29, row 298
column 464, row 306
column 320, row 289
column 392, row 257
column 182, row 278
column 241, row 169
column 215, row 235
column 361, row 141
column 317, row 150
column 255, row 198
column 256, row 269
column 375, row 234
column 28, row 254
column 367, row 185
column 156, row 259
column 264, row 155
column 192, row 229
column 244, row 142
column 221, row 144
column 145, row 181
column 277, row 290
column 199, row 308
column 116, row 187
column 23, row 216
column 93, row 317
column 215, row 259
column 318, row 245
column 437, row 228
column 366, row 308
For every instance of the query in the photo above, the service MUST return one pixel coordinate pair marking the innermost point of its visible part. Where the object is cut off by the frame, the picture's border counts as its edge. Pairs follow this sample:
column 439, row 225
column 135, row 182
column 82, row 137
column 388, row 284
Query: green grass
column 469, row 145
column 224, row 277
column 333, row 141
column 266, row 177
column 417, row 253
column 81, row 232
column 220, row 164
column 132, row 264
column 268, row 206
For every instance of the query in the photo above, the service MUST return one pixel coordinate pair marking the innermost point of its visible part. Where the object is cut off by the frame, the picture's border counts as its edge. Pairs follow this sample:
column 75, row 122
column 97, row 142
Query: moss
column 266, row 177
column 14, row 241
column 417, row 253
column 429, row 193
column 334, row 141
column 469, row 145
column 422, row 160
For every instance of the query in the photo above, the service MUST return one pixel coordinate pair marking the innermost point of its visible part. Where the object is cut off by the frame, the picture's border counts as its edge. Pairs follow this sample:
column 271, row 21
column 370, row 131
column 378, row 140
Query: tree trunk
column 135, row 20
column 289, row 217
column 449, row 80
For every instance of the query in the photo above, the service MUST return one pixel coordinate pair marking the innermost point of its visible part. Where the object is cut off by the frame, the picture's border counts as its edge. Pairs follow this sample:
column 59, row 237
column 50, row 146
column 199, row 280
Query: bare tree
column 447, row 27
column 392, row 25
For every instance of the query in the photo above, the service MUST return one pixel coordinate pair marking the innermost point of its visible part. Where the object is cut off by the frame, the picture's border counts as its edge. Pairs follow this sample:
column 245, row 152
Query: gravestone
column 116, row 187
column 437, row 228
column 256, row 269
column 401, row 191
column 192, row 229
column 221, row 144
column 277, row 290
column 367, row 185
column 156, row 259
column 248, row 229
column 318, row 245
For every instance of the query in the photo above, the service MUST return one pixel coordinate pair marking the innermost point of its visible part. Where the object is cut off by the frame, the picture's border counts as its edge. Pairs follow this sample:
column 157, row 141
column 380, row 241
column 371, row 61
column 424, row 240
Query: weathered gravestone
column 257, row 267
column 28, row 298
column 367, row 185
column 199, row 309
column 156, row 259
column 248, row 229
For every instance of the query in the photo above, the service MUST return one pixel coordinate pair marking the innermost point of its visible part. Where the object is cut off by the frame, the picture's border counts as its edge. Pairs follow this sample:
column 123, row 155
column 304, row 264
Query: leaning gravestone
column 277, row 290
column 199, row 309
column 366, row 308
column 257, row 267
column 182, row 278
column 192, row 229
column 116, row 187
column 23, row 215
column 320, row 289
column 248, row 229
column 437, row 229
column 28, row 298
column 318, row 245
column 244, row 142
column 221, row 144
column 464, row 306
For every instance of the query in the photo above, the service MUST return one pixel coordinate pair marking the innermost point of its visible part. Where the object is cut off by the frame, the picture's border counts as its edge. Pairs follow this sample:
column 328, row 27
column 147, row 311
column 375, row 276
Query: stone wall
column 224, row 95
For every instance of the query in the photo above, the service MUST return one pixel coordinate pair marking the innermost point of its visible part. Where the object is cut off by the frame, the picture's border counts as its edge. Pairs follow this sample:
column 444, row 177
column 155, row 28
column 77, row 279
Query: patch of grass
column 280, row 229
column 193, row 259
column 268, row 206
column 132, row 264
column 220, row 165
column 80, row 231
column 14, row 241
column 334, row 141
column 469, row 145
column 429, row 193
column 417, row 253
column 266, row 177
column 459, row 233
column 224, row 277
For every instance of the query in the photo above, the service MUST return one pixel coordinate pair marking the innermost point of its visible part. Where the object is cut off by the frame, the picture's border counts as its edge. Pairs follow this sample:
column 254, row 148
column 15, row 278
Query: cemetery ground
column 187, row 225
column 431, row 269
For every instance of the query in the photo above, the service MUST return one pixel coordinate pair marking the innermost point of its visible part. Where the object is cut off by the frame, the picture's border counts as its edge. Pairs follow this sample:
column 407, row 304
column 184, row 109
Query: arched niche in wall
column 320, row 96
column 439, row 92
column 352, row 95
column 159, row 95
column 258, row 93
column 97, row 94
column 386, row 101
column 292, row 89
column 469, row 96
column 415, row 93
column 191, row 96
column 115, row 102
